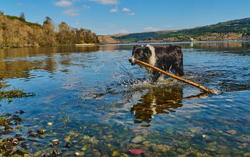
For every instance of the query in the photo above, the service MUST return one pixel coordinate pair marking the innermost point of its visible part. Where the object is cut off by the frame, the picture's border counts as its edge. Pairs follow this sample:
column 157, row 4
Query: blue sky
column 129, row 16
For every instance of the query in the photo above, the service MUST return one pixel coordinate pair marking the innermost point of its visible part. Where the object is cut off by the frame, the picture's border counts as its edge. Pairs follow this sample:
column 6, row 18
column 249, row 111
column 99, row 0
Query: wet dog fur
column 166, row 57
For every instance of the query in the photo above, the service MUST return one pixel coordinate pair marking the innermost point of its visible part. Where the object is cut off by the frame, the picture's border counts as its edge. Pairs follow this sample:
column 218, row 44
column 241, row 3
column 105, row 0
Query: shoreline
column 85, row 44
column 132, row 43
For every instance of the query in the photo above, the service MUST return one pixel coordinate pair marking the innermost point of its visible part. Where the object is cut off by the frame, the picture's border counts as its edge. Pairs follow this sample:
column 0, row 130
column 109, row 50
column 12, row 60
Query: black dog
column 166, row 57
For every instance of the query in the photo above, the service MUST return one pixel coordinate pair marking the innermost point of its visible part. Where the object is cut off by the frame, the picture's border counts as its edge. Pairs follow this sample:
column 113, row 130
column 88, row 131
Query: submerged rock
column 47, row 155
column 232, row 132
column 181, row 151
column 55, row 143
column 38, row 153
column 94, row 140
column 86, row 137
column 16, row 118
column 79, row 153
column 68, row 145
column 159, row 148
column 8, row 128
column 124, row 142
column 56, row 152
column 74, row 142
column 192, row 155
column 22, row 152
column 138, row 139
column 33, row 134
column 42, row 131
column 25, row 145
column 115, row 153
column 41, row 136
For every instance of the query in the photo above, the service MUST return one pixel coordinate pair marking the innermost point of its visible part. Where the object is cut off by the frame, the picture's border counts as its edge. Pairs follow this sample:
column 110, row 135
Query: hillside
column 230, row 30
column 16, row 32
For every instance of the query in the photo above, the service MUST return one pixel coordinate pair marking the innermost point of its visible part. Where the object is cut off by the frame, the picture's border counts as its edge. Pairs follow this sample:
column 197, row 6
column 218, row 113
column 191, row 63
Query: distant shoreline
column 134, row 43
column 85, row 44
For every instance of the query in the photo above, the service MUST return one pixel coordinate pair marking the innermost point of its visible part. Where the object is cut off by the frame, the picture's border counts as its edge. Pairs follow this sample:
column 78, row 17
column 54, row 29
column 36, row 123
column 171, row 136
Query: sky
column 108, row 17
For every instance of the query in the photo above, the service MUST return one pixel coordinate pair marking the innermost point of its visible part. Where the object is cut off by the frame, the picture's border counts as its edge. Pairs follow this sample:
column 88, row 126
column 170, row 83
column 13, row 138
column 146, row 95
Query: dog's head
column 141, row 53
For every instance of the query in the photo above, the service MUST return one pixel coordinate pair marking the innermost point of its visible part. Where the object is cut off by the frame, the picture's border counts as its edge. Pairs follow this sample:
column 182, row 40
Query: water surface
column 100, row 103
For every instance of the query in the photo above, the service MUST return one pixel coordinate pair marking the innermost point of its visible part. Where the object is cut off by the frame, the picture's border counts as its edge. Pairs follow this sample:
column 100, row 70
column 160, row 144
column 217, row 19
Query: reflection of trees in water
column 15, row 69
column 17, row 63
column 161, row 100
column 46, row 51
column 232, row 47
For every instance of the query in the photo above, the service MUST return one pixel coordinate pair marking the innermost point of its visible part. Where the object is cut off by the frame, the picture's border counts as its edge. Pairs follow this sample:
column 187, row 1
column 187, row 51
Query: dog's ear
column 135, row 46
column 147, row 52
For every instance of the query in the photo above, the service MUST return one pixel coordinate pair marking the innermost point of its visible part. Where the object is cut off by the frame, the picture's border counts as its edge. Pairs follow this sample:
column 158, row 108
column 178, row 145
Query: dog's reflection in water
column 160, row 100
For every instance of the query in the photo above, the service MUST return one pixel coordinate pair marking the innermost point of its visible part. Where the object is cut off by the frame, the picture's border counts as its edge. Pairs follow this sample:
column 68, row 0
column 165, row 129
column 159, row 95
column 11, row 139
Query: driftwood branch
column 176, row 77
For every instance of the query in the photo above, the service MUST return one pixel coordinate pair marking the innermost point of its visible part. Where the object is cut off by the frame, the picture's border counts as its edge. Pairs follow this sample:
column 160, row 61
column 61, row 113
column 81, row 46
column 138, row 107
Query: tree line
column 17, row 32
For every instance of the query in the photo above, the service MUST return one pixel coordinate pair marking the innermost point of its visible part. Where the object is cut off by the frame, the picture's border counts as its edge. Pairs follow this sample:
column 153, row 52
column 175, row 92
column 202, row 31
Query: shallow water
column 95, row 99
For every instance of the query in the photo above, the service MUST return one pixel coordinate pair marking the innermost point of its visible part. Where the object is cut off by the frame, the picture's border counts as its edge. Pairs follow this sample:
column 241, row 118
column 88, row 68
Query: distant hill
column 230, row 30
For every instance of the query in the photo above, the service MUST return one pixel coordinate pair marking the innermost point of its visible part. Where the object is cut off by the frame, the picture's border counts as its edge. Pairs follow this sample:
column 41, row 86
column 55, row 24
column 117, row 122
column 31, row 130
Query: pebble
column 8, row 128
column 55, row 143
column 115, row 153
column 42, row 131
column 138, row 139
column 79, row 153
column 232, row 132
column 47, row 155
column 68, row 145
column 56, row 152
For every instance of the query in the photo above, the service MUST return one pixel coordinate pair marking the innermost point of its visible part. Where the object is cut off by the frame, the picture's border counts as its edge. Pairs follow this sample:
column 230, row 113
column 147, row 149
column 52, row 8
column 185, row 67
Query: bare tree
column 22, row 17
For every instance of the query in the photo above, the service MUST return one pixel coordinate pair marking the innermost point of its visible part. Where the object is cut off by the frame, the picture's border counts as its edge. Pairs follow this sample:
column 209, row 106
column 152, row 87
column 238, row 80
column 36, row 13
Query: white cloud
column 151, row 29
column 106, row 1
column 86, row 7
column 123, row 31
column 125, row 9
column 131, row 14
column 63, row 3
column 72, row 12
column 114, row 10
column 77, row 22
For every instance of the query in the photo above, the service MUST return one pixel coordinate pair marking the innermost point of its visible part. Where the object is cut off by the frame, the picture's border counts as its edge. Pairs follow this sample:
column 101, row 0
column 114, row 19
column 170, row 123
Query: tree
column 22, row 17
column 64, row 34
column 48, row 20
column 49, row 33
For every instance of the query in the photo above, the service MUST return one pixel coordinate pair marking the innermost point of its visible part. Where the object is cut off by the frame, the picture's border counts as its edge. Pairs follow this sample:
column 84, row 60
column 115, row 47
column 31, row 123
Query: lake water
column 93, row 98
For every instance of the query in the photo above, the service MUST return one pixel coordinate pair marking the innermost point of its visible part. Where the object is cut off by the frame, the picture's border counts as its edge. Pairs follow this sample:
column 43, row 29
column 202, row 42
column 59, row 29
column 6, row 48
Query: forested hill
column 17, row 32
column 230, row 30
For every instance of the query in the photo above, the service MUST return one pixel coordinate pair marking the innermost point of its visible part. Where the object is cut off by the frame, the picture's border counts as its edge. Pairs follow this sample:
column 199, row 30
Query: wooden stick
column 176, row 77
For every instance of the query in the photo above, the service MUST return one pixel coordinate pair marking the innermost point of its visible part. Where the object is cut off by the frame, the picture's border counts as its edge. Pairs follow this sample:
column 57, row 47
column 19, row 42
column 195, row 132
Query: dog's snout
column 132, row 60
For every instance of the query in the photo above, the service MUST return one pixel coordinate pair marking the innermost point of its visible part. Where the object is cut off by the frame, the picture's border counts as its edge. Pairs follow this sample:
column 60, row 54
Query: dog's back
column 171, row 57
